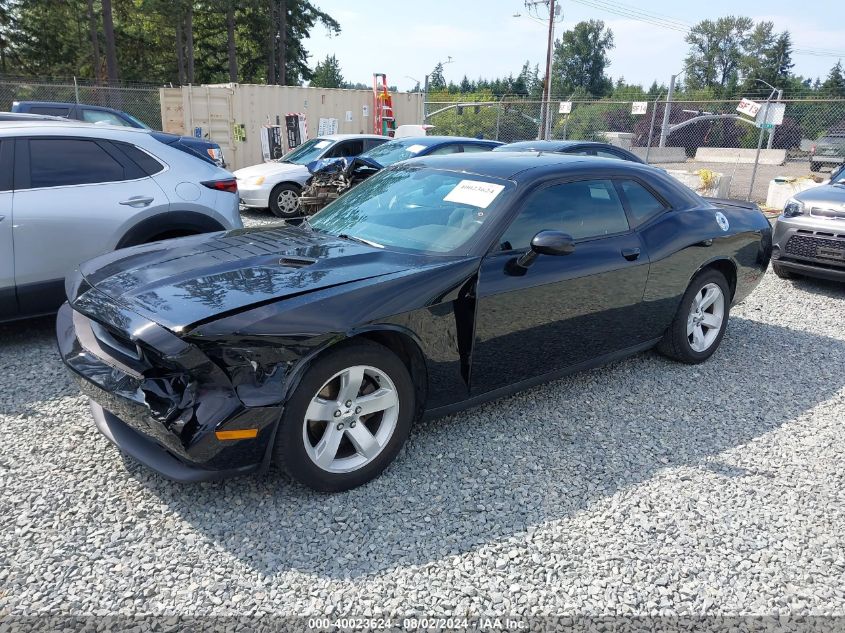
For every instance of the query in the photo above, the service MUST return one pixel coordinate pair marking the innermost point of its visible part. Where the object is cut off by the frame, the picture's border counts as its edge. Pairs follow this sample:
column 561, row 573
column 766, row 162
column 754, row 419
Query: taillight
column 227, row 184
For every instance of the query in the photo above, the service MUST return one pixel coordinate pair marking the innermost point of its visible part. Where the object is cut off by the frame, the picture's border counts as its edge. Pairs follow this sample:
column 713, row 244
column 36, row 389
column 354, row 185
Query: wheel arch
column 724, row 265
column 167, row 222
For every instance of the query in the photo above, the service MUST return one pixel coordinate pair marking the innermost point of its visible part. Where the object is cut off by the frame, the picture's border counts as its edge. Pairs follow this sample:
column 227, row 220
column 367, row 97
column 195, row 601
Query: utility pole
column 545, row 117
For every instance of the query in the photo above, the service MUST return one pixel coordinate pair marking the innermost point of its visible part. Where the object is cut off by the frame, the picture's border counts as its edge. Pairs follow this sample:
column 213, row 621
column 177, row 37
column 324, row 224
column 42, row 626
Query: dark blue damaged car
column 438, row 283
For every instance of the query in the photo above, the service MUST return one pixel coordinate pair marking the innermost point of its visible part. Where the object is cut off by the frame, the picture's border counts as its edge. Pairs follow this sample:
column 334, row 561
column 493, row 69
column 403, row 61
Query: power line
column 666, row 22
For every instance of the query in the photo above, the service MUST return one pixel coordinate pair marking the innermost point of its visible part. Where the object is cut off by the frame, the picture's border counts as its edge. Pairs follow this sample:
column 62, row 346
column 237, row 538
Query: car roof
column 428, row 141
column 65, row 126
column 343, row 137
column 507, row 165
column 549, row 146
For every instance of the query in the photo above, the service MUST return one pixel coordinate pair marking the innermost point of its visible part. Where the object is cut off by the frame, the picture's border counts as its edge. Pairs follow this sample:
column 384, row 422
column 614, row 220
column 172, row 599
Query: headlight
column 793, row 208
column 258, row 181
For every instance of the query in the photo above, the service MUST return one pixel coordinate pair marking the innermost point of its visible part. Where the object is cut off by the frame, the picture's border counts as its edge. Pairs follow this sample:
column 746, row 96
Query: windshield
column 138, row 122
column 418, row 209
column 394, row 151
column 308, row 151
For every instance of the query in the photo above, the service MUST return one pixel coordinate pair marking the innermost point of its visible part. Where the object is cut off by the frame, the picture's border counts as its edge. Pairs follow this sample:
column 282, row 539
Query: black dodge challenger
column 435, row 285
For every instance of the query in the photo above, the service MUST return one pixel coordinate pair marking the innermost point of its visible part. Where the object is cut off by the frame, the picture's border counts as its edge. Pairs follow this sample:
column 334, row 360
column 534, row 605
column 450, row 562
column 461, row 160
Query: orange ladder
column 384, row 122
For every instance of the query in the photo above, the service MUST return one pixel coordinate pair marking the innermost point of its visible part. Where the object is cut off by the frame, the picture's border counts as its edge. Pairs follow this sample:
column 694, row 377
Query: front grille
column 831, row 214
column 815, row 248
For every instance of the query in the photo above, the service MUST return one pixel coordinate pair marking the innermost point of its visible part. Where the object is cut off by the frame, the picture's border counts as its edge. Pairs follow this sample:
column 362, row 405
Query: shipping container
column 233, row 114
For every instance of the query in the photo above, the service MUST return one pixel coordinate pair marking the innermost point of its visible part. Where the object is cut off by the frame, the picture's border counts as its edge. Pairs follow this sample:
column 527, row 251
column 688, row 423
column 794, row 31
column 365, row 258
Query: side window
column 474, row 149
column 61, row 162
column 50, row 110
column 641, row 202
column 584, row 209
column 346, row 148
column 371, row 143
column 446, row 149
column 582, row 152
column 604, row 153
column 98, row 116
column 6, row 164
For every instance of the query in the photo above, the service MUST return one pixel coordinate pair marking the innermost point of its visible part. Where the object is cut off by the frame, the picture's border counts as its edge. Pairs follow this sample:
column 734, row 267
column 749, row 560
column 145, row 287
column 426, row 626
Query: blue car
column 333, row 177
column 205, row 149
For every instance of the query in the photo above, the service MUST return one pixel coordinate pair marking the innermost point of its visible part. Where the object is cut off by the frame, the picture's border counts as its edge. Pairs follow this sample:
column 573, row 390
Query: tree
column 436, row 80
column 834, row 85
column 768, row 57
column 231, row 45
column 717, row 52
column 581, row 58
column 111, row 49
column 291, row 22
column 327, row 74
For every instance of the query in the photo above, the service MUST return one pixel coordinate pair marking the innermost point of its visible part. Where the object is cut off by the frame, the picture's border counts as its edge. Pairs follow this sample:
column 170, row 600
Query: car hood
column 269, row 169
column 828, row 196
column 182, row 282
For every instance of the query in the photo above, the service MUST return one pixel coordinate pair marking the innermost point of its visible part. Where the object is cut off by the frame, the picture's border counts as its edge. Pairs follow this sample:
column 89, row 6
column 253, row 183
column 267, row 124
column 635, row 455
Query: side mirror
column 547, row 243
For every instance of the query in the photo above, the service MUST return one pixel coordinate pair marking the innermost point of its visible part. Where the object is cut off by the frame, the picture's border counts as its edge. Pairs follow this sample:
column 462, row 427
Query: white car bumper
column 254, row 196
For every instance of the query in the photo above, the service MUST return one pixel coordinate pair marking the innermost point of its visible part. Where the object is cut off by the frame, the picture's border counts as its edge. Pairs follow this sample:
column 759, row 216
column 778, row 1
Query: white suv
column 70, row 192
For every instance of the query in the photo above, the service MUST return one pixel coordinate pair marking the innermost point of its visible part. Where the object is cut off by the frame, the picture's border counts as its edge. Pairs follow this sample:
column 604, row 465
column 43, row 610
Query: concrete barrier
column 661, row 154
column 719, row 187
column 737, row 155
column 782, row 188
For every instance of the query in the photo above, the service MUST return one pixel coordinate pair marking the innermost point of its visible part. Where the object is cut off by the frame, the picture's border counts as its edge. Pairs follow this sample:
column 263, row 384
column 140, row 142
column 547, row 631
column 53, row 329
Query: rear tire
column 782, row 272
column 284, row 200
column 699, row 324
column 326, row 439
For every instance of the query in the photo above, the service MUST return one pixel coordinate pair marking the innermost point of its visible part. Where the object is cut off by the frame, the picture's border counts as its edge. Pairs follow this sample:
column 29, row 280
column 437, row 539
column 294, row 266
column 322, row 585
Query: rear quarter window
column 642, row 204
column 145, row 162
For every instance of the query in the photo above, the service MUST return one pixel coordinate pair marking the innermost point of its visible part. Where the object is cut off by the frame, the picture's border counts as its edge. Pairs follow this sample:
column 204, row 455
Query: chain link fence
column 139, row 100
column 709, row 140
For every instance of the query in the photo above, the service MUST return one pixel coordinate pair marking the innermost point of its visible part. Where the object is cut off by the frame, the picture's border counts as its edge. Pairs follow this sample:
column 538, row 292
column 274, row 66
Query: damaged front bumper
column 159, row 398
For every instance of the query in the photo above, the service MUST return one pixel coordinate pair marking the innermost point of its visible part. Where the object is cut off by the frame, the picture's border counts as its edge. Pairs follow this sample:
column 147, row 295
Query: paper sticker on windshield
column 475, row 192
column 322, row 144
column 415, row 149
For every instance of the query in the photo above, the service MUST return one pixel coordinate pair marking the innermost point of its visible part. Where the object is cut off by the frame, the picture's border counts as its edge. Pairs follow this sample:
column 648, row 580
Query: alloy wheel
column 350, row 419
column 707, row 313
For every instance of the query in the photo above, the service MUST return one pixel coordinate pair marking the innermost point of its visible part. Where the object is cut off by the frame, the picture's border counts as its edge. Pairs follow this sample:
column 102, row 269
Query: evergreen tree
column 436, row 80
column 834, row 85
column 327, row 74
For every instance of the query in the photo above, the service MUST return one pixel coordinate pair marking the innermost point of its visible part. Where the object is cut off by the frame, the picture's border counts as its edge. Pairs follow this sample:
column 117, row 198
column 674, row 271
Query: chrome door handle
column 630, row 253
column 137, row 201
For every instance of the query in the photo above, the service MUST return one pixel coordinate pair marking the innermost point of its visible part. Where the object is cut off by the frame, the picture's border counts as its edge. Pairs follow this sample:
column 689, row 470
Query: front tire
column 782, row 272
column 347, row 419
column 699, row 325
column 284, row 200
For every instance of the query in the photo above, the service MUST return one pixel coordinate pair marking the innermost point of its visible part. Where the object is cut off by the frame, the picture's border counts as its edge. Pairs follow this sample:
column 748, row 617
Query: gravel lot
column 645, row 487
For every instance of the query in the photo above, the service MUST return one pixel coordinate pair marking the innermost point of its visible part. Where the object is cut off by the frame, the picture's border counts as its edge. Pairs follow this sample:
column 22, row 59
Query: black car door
column 565, row 309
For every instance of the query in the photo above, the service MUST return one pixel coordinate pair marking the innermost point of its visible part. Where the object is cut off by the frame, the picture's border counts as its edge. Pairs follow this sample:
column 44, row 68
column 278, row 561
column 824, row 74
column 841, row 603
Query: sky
column 406, row 39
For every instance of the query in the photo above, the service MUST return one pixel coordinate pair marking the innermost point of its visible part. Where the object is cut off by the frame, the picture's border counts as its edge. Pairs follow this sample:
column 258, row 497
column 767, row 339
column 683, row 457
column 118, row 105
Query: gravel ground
column 645, row 487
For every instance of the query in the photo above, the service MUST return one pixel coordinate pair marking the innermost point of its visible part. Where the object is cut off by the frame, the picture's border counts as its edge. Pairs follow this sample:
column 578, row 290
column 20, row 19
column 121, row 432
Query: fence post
column 75, row 89
column 651, row 127
column 759, row 146
column 664, row 130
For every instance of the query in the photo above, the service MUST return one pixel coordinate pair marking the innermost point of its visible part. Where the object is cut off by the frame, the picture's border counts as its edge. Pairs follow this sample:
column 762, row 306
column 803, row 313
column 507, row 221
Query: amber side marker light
column 243, row 434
